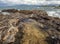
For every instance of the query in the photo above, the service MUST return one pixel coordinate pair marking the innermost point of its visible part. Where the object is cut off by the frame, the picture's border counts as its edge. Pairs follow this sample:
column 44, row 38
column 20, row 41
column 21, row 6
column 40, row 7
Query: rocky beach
column 28, row 27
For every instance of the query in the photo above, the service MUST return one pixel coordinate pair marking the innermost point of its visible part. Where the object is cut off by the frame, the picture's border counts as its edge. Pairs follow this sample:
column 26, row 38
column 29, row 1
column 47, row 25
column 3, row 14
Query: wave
column 54, row 13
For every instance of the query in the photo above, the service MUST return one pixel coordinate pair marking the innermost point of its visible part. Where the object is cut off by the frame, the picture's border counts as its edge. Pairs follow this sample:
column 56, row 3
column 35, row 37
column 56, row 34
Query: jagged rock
column 29, row 27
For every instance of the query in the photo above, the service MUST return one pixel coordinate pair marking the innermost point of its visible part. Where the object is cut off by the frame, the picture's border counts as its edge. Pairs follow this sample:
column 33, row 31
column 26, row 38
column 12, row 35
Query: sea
column 51, row 11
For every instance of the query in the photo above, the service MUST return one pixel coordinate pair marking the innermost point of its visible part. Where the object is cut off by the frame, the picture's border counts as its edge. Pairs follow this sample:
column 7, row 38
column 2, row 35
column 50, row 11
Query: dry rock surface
column 29, row 27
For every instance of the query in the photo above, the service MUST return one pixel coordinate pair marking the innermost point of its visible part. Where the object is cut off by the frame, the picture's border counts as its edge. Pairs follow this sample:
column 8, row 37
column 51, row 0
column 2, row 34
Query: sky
column 29, row 2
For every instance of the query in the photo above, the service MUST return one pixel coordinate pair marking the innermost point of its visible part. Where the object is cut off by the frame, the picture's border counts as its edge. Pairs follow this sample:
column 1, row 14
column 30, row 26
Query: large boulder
column 30, row 33
column 22, row 32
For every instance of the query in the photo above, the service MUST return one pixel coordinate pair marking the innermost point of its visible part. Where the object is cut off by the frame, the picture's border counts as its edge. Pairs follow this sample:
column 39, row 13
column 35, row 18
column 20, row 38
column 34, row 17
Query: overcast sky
column 29, row 2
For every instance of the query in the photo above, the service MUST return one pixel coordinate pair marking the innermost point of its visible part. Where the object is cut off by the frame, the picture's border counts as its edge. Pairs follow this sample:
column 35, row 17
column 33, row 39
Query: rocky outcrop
column 29, row 27
column 10, row 10
column 26, row 11
column 33, row 12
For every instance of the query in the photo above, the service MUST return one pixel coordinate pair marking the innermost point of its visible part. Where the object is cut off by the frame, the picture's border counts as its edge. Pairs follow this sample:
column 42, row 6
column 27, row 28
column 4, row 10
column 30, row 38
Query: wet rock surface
column 29, row 27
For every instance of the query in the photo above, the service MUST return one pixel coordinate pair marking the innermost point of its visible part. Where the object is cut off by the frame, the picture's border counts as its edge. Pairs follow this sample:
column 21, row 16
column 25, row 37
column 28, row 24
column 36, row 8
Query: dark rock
column 10, row 10
column 58, row 29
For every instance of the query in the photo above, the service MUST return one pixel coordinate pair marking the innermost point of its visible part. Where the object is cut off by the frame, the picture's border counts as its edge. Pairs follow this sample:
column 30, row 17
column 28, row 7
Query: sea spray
column 54, row 13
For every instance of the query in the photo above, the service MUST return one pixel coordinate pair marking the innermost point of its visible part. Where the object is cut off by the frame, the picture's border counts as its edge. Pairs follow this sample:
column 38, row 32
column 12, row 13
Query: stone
column 29, row 27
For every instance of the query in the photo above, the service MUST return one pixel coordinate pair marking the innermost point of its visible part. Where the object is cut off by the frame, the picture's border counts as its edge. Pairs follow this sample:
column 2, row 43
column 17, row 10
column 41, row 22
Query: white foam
column 54, row 13
column 5, row 13
column 0, row 10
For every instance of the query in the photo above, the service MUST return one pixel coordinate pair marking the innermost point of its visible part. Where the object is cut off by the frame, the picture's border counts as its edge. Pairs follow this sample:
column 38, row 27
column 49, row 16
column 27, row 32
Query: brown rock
column 30, row 33
column 29, row 27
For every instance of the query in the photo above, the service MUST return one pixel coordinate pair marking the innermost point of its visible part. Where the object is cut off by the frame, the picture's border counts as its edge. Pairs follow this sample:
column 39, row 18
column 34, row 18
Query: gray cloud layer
column 33, row 2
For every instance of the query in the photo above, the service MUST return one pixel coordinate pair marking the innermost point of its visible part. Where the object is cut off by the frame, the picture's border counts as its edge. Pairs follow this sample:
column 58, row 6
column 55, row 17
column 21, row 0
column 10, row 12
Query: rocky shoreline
column 28, row 27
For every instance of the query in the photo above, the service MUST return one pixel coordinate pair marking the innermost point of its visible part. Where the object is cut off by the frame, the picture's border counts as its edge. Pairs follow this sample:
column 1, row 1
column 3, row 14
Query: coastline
column 28, row 27
column 50, row 13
